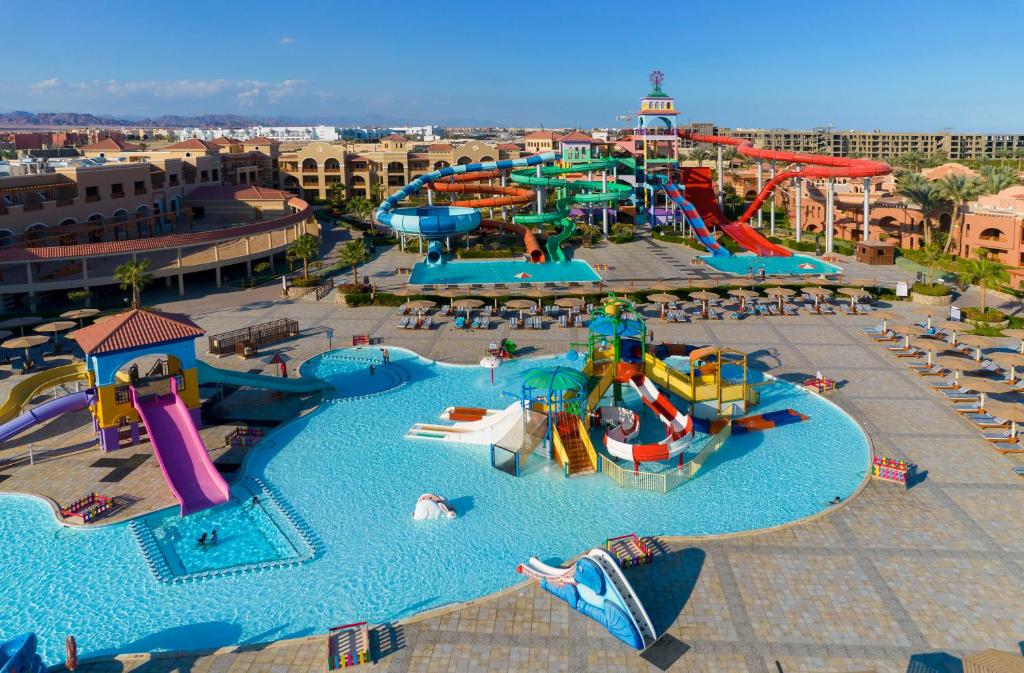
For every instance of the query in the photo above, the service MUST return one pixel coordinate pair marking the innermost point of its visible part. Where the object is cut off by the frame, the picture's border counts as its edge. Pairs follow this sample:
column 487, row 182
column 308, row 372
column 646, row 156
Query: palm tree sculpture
column 351, row 255
column 134, row 275
column 305, row 247
column 958, row 190
column 982, row 272
column 928, row 199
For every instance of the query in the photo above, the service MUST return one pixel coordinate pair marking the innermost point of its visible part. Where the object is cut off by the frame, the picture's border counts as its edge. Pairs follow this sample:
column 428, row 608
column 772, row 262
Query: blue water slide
column 435, row 222
column 700, row 229
column 44, row 412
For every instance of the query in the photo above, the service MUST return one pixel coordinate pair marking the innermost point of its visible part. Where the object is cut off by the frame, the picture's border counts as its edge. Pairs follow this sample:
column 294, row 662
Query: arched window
column 396, row 167
column 463, row 161
column 67, row 222
column 95, row 228
column 6, row 238
column 486, row 157
column 991, row 234
column 309, row 165
column 358, row 180
column 438, row 165
column 332, row 166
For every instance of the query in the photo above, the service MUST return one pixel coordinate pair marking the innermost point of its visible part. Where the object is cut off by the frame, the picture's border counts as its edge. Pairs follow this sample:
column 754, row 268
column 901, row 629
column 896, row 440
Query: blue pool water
column 489, row 272
column 353, row 478
column 773, row 266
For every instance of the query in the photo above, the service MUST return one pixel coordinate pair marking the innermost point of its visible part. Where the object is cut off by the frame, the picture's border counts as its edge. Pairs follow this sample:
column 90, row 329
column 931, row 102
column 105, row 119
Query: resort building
column 367, row 170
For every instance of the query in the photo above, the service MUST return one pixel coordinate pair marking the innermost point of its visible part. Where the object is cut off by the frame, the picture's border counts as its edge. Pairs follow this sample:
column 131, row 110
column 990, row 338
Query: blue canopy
column 606, row 326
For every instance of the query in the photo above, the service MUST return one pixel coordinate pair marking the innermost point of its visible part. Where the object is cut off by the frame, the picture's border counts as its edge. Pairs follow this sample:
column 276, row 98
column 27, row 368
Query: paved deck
column 894, row 580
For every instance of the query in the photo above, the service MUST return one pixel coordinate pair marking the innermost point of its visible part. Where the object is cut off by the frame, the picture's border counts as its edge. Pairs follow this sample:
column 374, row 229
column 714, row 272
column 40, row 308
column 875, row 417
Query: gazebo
column 554, row 391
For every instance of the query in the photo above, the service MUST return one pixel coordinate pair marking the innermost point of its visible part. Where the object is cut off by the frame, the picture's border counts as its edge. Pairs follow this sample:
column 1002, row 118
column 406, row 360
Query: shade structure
column 54, row 327
column 21, row 322
column 978, row 342
column 854, row 293
column 25, row 342
column 702, row 282
column 609, row 327
column 931, row 346
column 931, row 312
column 467, row 305
column 559, row 379
column 1011, row 359
column 956, row 363
column 406, row 291
column 421, row 304
column 886, row 316
column 80, row 313
column 490, row 362
column 954, row 328
column 817, row 291
column 743, row 295
column 491, row 292
column 1016, row 334
column 907, row 330
column 779, row 292
column 741, row 282
column 662, row 298
column 1011, row 411
column 569, row 302
column 520, row 304
column 862, row 282
column 704, row 296
column 983, row 385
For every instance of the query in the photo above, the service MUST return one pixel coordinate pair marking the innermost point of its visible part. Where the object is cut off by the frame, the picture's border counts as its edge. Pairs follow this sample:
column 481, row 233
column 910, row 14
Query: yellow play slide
column 32, row 385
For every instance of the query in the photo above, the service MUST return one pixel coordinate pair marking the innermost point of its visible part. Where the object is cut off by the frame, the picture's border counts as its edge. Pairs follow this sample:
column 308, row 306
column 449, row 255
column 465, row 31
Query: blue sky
column 897, row 65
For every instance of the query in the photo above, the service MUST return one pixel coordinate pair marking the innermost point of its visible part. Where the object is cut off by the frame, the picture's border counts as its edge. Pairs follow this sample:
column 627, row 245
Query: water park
column 460, row 472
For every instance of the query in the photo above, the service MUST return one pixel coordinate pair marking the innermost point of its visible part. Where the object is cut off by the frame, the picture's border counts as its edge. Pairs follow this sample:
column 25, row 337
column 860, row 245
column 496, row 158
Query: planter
column 299, row 292
column 931, row 300
column 981, row 323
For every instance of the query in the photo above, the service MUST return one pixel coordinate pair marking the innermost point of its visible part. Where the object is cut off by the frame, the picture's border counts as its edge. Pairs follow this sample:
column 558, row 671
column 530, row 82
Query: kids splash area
column 599, row 183
column 418, row 485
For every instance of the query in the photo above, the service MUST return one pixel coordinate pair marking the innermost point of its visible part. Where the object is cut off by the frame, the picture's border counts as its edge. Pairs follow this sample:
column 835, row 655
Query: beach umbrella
column 741, row 282
column 977, row 341
column 80, row 314
column 1011, row 359
column 662, row 299
column 818, row 293
column 908, row 329
column 1011, row 411
column 854, row 293
column 931, row 346
column 25, row 342
column 449, row 293
column 21, row 322
column 54, row 327
column 955, row 363
column 559, row 379
column 492, row 292
column 886, row 316
column 929, row 311
column 406, row 291
column 467, row 304
column 982, row 385
column 704, row 297
column 702, row 282
column 743, row 295
column 569, row 302
column 1016, row 334
column 520, row 305
column 951, row 326
column 779, row 293
column 862, row 282
column 490, row 362
column 421, row 304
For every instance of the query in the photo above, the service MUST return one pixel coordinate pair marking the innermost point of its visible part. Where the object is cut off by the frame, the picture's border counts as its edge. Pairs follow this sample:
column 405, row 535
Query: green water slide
column 586, row 192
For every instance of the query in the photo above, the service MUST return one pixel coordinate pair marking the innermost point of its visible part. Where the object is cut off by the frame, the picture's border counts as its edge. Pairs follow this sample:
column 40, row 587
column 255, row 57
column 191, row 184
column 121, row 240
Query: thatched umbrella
column 491, row 292
column 929, row 311
column 80, row 314
column 955, row 364
column 538, row 293
column 862, row 282
column 421, row 304
column 662, row 299
column 1016, row 334
column 406, row 291
column 931, row 346
column 886, row 316
column 1011, row 359
column 54, row 327
column 779, row 293
column 854, row 293
column 520, row 305
column 702, row 282
column 741, row 282
column 978, row 341
column 743, row 295
column 449, row 293
column 467, row 304
column 26, row 342
column 907, row 330
column 818, row 293
column 951, row 326
column 1011, row 411
column 982, row 385
column 21, row 322
column 570, row 303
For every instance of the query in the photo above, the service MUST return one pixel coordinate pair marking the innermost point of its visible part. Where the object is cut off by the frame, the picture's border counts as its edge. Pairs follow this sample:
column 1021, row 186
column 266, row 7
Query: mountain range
column 20, row 118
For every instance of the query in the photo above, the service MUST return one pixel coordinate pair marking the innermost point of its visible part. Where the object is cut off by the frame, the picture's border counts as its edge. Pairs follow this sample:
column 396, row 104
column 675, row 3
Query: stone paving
column 893, row 580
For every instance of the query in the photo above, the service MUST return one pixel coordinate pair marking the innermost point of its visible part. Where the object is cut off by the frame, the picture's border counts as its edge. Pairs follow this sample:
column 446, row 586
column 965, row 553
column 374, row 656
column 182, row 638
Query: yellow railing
column 561, row 456
column 592, row 455
column 599, row 390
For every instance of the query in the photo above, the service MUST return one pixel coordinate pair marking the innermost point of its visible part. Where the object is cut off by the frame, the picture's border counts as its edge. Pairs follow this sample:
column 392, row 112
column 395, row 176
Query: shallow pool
column 773, row 266
column 353, row 480
column 489, row 272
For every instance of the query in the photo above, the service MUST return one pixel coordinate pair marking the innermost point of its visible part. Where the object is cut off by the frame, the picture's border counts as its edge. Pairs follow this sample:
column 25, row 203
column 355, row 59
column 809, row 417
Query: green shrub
column 842, row 247
column 477, row 252
column 312, row 281
column 988, row 315
column 775, row 239
column 682, row 240
column 936, row 290
column 622, row 233
column 731, row 245
column 381, row 299
column 801, row 246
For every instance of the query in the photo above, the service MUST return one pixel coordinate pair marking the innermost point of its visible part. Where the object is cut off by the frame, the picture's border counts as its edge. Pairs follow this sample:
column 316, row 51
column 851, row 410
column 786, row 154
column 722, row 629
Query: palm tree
column 305, row 247
column 338, row 194
column 700, row 155
column 352, row 254
column 958, row 190
column 932, row 257
column 982, row 272
column 928, row 199
column 997, row 178
column 360, row 206
column 134, row 275
column 377, row 192
column 912, row 161
column 732, row 154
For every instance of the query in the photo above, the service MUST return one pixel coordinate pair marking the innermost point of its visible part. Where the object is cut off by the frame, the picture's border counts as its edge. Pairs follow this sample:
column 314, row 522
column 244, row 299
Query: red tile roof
column 224, row 140
column 260, row 140
column 236, row 193
column 576, row 137
column 111, row 144
column 193, row 144
column 395, row 136
column 137, row 328
column 440, row 147
column 542, row 135
column 508, row 146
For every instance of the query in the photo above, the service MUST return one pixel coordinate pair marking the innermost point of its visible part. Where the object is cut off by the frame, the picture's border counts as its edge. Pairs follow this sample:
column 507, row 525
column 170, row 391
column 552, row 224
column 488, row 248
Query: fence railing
column 561, row 455
column 256, row 336
column 592, row 454
column 325, row 288
column 663, row 482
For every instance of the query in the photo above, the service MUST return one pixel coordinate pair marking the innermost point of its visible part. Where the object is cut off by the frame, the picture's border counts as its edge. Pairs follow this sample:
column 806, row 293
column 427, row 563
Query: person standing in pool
column 761, row 274
column 385, row 355
column 371, row 370
column 213, row 537
column 202, row 540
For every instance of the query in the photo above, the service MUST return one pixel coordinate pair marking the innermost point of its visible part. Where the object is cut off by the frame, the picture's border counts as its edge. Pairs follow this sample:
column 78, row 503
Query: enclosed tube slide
column 814, row 166
column 468, row 183
column 44, row 412
column 700, row 229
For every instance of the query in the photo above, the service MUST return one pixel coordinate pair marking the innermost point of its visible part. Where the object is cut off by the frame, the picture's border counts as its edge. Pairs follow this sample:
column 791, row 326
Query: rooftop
column 237, row 193
column 135, row 329
column 112, row 144
column 542, row 135
column 194, row 144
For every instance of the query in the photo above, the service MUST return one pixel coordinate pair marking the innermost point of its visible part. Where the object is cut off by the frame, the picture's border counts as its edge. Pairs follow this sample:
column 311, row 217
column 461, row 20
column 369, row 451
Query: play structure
column 890, row 469
column 18, row 655
column 819, row 384
column 348, row 645
column 629, row 550
column 595, row 586
column 89, row 507
column 766, row 421
column 430, row 506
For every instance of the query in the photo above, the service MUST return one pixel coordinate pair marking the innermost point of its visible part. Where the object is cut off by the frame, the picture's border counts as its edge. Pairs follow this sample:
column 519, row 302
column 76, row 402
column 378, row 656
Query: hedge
column 989, row 315
column 932, row 290
column 474, row 253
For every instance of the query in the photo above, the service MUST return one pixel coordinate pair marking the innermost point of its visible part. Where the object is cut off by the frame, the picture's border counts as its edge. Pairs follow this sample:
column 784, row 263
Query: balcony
column 38, row 205
column 93, row 198
column 117, row 195
column 309, row 170
column 139, row 191
column 330, row 171
column 61, row 203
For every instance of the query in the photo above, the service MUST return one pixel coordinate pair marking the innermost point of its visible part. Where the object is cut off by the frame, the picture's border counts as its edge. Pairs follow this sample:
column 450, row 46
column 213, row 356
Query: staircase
column 569, row 428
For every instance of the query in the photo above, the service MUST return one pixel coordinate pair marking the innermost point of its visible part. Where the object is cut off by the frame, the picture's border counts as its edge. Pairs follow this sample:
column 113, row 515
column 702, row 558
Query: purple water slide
column 190, row 474
column 45, row 412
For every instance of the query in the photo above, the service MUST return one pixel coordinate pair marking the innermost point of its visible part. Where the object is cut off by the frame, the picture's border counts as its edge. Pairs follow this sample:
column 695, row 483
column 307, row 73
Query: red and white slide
column 626, row 426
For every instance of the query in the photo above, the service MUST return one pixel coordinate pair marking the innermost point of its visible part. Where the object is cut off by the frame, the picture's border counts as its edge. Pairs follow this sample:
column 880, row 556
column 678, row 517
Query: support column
column 721, row 176
column 799, row 204
column 248, row 260
column 867, row 208
column 430, row 197
column 830, row 214
column 540, row 192
column 216, row 270
column 771, row 216
column 760, row 186
column 85, row 272
column 181, row 277
column 504, row 217
column 606, row 206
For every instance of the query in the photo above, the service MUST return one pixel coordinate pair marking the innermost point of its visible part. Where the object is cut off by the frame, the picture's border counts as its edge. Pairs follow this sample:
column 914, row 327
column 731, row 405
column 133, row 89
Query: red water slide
column 814, row 166
column 511, row 195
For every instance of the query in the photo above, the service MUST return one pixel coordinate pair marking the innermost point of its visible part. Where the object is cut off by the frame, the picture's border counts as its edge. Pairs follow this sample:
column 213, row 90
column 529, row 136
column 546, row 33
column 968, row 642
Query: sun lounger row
column 414, row 322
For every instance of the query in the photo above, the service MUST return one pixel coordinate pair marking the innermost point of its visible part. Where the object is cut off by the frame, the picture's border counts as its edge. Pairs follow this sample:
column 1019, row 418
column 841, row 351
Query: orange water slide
column 498, row 196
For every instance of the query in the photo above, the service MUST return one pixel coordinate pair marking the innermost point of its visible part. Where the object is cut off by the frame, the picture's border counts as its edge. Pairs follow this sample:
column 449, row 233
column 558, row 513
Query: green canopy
column 555, row 379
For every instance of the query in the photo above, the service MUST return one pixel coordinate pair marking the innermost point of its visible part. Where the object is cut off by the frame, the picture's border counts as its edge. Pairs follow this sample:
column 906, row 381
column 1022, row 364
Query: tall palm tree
column 732, row 154
column 338, row 194
column 982, row 272
column 928, row 199
column 305, row 247
column 700, row 155
column 933, row 258
column 352, row 254
column 359, row 206
column 958, row 190
column 912, row 161
column 997, row 178
column 134, row 275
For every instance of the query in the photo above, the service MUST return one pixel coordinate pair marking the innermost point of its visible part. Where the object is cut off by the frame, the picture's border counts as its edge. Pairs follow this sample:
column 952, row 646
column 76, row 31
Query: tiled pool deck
column 894, row 580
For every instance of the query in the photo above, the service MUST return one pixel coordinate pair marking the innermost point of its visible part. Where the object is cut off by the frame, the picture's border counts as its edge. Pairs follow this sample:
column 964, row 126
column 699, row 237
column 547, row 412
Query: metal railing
column 663, row 482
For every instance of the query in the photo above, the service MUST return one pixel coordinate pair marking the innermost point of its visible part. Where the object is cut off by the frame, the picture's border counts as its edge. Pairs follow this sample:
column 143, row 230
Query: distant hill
column 21, row 118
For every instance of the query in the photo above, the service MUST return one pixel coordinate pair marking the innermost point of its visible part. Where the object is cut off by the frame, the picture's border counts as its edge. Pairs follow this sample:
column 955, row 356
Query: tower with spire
column 655, row 131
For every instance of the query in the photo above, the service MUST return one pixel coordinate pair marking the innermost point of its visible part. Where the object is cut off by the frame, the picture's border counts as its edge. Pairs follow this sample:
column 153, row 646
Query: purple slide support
column 190, row 474
column 45, row 412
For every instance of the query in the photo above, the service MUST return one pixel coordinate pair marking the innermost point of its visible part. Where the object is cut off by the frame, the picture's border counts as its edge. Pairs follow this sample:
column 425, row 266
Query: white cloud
column 287, row 40
column 46, row 85
column 247, row 92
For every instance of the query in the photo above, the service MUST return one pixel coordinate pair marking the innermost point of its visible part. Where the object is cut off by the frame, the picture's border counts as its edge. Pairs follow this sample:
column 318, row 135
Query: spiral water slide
column 437, row 222
column 814, row 166
column 469, row 183
column 585, row 192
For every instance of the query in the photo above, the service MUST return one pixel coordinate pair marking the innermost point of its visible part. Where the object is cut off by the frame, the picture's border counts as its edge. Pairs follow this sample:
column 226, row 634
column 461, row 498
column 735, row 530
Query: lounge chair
column 460, row 322
column 1018, row 470
column 1008, row 447
column 445, row 310
column 986, row 420
column 790, row 309
column 404, row 322
column 475, row 324
column 997, row 435
column 959, row 394
column 969, row 407
column 428, row 322
column 902, row 352
column 933, row 370
column 563, row 320
column 513, row 322
column 485, row 322
column 577, row 321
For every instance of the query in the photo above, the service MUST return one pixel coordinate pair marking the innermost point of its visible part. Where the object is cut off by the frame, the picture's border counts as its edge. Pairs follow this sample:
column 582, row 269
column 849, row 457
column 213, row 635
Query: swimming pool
column 353, row 478
column 773, row 266
column 489, row 272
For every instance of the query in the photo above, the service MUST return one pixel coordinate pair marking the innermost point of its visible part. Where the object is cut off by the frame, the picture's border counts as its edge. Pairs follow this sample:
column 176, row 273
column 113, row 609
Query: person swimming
column 202, row 539
column 213, row 537
column 836, row 500
column 371, row 370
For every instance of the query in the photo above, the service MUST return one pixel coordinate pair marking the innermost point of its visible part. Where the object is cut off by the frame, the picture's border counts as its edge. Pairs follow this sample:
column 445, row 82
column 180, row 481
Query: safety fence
column 663, row 482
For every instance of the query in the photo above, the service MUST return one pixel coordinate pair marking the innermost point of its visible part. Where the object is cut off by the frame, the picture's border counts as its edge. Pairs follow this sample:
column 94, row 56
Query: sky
column 901, row 65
